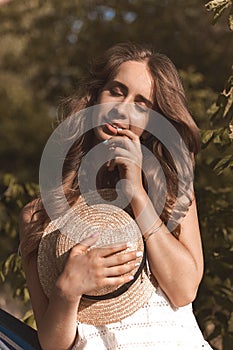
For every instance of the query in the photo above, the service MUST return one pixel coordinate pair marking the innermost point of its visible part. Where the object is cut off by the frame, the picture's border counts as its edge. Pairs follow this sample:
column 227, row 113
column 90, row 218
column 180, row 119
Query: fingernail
column 96, row 234
column 131, row 278
column 104, row 142
column 129, row 245
column 119, row 129
column 138, row 254
column 137, row 264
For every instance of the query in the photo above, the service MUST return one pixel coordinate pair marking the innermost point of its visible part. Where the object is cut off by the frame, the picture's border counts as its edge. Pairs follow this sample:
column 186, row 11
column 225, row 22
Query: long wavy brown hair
column 169, row 100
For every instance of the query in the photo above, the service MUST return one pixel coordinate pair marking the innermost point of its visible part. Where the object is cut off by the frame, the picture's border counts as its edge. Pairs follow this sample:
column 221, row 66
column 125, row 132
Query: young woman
column 126, row 85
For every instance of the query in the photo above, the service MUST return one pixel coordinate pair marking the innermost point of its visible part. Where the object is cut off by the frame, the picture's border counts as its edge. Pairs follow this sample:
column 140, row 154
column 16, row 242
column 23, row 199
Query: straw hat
column 91, row 213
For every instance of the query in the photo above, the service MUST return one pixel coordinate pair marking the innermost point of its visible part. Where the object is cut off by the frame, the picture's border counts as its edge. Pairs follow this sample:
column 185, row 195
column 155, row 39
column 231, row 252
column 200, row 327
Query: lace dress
column 155, row 326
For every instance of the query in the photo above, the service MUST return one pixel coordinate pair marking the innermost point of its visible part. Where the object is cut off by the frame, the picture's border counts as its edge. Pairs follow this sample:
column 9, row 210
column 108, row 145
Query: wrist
column 153, row 231
column 145, row 214
column 139, row 196
column 65, row 293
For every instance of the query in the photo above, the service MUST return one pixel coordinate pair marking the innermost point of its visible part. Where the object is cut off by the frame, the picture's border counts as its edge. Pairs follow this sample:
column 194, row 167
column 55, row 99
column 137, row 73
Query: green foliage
column 221, row 118
column 218, row 7
column 45, row 49
column 214, row 304
column 199, row 95
column 29, row 319
column 14, row 196
column 12, row 267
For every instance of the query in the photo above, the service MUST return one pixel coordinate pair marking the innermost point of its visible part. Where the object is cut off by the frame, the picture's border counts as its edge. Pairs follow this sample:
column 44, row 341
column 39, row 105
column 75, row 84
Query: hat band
column 119, row 291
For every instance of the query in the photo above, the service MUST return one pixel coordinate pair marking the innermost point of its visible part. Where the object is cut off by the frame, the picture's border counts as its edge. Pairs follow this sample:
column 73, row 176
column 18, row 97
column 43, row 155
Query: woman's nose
column 120, row 111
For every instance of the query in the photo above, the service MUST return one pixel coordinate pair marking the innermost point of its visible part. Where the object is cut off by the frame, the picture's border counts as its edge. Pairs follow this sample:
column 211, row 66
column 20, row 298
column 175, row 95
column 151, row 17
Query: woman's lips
column 111, row 128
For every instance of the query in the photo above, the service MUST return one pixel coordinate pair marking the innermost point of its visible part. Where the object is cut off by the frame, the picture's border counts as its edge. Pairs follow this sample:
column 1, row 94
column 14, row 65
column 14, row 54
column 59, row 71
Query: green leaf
column 230, row 19
column 29, row 319
column 26, row 295
column 224, row 163
column 7, row 265
column 217, row 6
column 2, row 277
column 206, row 136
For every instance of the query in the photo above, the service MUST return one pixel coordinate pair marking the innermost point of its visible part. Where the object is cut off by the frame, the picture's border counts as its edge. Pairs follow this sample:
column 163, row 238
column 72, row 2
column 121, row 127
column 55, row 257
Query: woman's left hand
column 126, row 154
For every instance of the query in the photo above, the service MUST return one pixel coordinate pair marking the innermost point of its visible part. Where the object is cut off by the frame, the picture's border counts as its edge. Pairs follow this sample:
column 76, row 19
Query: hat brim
column 103, row 312
column 116, row 226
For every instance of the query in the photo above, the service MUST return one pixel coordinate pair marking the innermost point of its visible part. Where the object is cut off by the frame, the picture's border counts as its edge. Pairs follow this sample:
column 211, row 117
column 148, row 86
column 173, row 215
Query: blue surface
column 14, row 338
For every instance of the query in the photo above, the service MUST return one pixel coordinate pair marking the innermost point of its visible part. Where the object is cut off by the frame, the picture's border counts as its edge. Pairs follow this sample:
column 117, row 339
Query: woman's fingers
column 83, row 246
column 124, row 258
column 121, row 269
column 120, row 154
column 90, row 267
column 126, row 132
column 111, row 256
column 89, row 241
column 120, row 264
column 123, row 142
column 124, row 147
column 118, row 281
column 120, row 160
column 113, row 249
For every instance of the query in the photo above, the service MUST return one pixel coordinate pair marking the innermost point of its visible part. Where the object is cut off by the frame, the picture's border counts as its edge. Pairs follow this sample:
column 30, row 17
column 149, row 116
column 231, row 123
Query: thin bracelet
column 152, row 232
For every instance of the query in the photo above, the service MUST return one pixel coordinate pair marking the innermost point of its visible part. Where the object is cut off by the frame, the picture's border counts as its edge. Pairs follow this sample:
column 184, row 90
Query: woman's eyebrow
column 124, row 87
column 118, row 84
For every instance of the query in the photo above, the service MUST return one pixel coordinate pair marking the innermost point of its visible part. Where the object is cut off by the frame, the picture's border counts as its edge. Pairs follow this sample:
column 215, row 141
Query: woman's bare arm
column 85, row 270
column 176, row 264
column 55, row 318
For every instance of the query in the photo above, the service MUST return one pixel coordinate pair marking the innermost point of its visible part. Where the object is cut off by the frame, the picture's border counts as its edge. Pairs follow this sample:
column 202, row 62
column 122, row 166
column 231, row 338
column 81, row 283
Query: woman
column 125, row 85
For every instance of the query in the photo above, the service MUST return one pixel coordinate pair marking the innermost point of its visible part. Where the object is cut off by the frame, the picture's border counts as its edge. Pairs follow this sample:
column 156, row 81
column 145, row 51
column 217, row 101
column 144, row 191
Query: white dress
column 157, row 325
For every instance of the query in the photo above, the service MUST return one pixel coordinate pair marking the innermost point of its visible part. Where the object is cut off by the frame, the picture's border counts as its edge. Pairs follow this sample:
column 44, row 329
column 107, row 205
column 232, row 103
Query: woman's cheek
column 138, row 128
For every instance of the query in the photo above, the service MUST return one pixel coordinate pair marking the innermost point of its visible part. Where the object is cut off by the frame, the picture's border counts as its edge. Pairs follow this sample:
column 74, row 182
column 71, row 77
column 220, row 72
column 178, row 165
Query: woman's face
column 124, row 101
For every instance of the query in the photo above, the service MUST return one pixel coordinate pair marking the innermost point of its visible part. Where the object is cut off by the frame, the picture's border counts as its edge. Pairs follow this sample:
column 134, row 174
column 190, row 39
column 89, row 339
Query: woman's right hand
column 89, row 268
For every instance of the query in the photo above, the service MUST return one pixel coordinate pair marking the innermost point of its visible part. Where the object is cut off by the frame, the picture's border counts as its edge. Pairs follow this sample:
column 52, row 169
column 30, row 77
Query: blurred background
column 45, row 49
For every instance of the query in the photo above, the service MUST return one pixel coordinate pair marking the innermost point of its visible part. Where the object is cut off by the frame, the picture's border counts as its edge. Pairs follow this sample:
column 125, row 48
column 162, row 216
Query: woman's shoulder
column 29, row 228
column 28, row 216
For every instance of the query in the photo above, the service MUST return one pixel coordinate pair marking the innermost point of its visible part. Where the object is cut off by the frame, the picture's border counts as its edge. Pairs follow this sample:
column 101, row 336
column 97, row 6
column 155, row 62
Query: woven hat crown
column 91, row 214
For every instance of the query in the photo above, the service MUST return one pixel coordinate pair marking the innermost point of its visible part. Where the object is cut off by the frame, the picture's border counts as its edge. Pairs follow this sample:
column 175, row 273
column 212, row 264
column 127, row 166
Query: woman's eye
column 115, row 92
column 141, row 108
